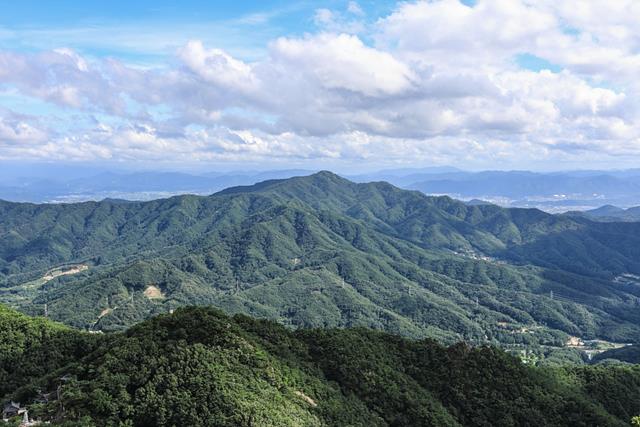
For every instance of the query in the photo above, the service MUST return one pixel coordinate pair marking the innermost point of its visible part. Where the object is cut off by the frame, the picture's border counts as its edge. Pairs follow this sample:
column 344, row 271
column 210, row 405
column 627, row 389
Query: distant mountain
column 199, row 367
column 609, row 213
column 605, row 211
column 476, row 202
column 520, row 184
column 554, row 192
column 322, row 251
column 407, row 176
column 130, row 186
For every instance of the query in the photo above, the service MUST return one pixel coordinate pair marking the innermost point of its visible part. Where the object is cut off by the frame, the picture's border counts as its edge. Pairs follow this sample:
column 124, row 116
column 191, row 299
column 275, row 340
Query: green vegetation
column 32, row 347
column 628, row 354
column 200, row 367
column 323, row 252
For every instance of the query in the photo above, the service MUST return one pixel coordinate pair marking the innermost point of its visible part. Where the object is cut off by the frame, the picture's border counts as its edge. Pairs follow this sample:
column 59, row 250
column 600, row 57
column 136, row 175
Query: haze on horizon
column 339, row 85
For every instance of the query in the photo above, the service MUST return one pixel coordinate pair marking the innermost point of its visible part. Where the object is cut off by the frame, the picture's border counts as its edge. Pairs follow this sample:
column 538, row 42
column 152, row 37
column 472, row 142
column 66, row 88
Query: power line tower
column 551, row 294
column 46, row 310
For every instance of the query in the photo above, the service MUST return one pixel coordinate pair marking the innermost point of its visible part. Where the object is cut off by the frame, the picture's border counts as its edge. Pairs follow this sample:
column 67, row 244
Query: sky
column 342, row 85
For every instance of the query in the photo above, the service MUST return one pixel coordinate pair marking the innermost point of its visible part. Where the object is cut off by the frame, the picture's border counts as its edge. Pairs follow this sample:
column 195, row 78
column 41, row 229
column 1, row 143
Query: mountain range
column 610, row 213
column 552, row 191
column 322, row 251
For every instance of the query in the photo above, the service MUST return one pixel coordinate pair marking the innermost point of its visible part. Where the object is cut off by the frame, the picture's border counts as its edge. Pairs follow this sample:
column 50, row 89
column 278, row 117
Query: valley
column 420, row 213
column 321, row 251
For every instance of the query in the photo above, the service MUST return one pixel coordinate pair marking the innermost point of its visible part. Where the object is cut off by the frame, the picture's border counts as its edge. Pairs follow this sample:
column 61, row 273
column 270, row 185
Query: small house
column 12, row 409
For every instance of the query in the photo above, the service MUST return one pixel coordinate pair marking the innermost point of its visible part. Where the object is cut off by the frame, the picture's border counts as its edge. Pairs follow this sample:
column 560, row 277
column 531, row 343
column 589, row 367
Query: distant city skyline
column 339, row 85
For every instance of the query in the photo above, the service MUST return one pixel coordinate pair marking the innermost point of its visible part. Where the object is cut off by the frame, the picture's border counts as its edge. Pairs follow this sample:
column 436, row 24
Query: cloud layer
column 502, row 83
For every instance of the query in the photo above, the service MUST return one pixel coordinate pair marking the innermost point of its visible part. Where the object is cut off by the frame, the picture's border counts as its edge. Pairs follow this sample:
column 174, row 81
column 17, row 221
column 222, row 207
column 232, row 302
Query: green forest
column 200, row 367
column 323, row 252
column 317, row 301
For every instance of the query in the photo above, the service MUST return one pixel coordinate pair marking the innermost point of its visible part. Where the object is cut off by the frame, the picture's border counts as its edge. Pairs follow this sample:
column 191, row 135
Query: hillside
column 33, row 347
column 628, row 354
column 321, row 251
column 609, row 213
column 200, row 367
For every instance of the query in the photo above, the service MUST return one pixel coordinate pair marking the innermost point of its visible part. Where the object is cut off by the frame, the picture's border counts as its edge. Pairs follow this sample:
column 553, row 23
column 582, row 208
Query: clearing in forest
column 153, row 292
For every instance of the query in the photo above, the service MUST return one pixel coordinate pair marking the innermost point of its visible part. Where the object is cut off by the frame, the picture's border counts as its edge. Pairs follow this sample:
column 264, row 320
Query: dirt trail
column 309, row 400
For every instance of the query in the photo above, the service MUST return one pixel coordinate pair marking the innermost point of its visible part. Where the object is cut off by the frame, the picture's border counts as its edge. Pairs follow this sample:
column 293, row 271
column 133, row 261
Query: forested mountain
column 628, row 354
column 609, row 213
column 321, row 251
column 199, row 367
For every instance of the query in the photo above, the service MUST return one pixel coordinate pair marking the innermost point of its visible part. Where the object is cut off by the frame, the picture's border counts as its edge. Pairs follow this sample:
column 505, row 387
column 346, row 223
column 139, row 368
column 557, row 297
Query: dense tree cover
column 629, row 354
column 32, row 347
column 199, row 366
column 321, row 251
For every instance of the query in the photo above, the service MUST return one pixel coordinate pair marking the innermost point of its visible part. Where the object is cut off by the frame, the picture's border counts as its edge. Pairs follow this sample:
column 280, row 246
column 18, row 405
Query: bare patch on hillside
column 104, row 312
column 64, row 271
column 153, row 292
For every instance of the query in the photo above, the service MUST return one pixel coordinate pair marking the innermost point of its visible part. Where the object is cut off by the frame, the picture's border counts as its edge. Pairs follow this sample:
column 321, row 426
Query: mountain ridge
column 321, row 251
column 200, row 367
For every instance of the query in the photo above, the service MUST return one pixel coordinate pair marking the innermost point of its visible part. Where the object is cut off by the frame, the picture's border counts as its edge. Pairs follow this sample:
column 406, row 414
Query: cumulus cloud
column 344, row 62
column 20, row 130
column 61, row 77
column 435, row 81
column 218, row 68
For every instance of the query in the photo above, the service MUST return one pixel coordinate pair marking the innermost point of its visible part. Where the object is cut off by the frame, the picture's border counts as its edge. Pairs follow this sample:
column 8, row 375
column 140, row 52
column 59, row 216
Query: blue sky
column 241, row 27
column 337, row 84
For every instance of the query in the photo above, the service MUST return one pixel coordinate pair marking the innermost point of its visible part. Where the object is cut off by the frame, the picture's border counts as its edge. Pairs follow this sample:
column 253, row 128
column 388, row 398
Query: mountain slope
column 321, row 251
column 609, row 213
column 33, row 347
column 200, row 367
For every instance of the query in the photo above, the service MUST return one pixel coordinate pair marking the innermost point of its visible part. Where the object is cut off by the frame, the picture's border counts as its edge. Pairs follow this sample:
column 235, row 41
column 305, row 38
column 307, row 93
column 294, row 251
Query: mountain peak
column 326, row 174
column 321, row 179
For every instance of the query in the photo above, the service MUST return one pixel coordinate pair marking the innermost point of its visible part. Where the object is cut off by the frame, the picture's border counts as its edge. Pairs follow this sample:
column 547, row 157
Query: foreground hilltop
column 321, row 251
column 200, row 367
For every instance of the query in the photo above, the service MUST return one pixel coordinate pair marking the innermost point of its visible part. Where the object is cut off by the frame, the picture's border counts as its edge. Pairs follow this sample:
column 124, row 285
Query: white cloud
column 61, row 77
column 16, row 131
column 217, row 67
column 451, row 33
column 438, row 83
column 349, row 22
column 344, row 62
column 354, row 8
